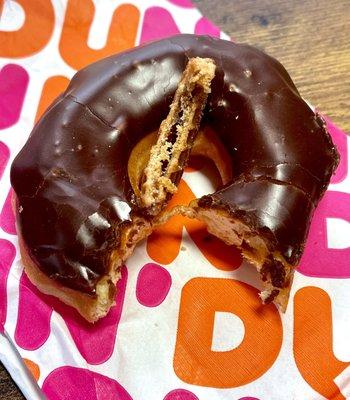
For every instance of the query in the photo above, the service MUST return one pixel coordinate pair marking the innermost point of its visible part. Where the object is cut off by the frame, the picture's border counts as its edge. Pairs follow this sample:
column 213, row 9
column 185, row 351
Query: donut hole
column 207, row 146
column 202, row 175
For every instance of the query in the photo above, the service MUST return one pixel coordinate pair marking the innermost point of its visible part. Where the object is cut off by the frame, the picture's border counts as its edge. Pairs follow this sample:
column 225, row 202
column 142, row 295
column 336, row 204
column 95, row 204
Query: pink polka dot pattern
column 67, row 383
column 206, row 27
column 33, row 320
column 318, row 259
column 7, row 218
column 152, row 29
column 4, row 157
column 8, row 252
column 180, row 394
column 248, row 398
column 182, row 3
column 153, row 285
column 13, row 86
column 95, row 342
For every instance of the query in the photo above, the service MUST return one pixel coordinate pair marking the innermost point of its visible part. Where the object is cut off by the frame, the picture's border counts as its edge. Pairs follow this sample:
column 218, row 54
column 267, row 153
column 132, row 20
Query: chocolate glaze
column 71, row 179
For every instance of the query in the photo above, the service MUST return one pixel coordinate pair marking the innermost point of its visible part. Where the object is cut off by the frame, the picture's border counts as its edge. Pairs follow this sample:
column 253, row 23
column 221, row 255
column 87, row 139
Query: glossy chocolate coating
column 71, row 180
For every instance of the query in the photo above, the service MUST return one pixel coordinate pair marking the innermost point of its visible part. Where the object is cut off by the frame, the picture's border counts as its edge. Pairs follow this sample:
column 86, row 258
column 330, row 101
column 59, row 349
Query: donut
column 97, row 170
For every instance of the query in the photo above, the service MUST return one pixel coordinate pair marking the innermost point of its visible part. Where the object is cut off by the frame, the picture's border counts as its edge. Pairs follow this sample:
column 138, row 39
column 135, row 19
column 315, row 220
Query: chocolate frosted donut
column 78, row 215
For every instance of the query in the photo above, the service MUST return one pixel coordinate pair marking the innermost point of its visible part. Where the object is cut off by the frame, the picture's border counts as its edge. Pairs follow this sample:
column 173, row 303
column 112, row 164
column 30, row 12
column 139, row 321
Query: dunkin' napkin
column 187, row 324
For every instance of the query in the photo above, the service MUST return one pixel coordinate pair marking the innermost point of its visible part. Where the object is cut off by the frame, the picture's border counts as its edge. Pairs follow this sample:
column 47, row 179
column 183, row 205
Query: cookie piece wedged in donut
column 176, row 134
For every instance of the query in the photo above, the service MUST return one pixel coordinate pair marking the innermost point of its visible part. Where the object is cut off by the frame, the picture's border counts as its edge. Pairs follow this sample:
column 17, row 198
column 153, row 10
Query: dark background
column 312, row 40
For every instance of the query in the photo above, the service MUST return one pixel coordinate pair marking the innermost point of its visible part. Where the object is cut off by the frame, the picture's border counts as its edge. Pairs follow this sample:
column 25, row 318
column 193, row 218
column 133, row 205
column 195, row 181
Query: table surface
column 312, row 40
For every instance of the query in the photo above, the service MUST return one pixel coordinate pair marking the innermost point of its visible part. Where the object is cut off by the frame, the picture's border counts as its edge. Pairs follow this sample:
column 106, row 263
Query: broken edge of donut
column 92, row 308
column 275, row 272
column 176, row 134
